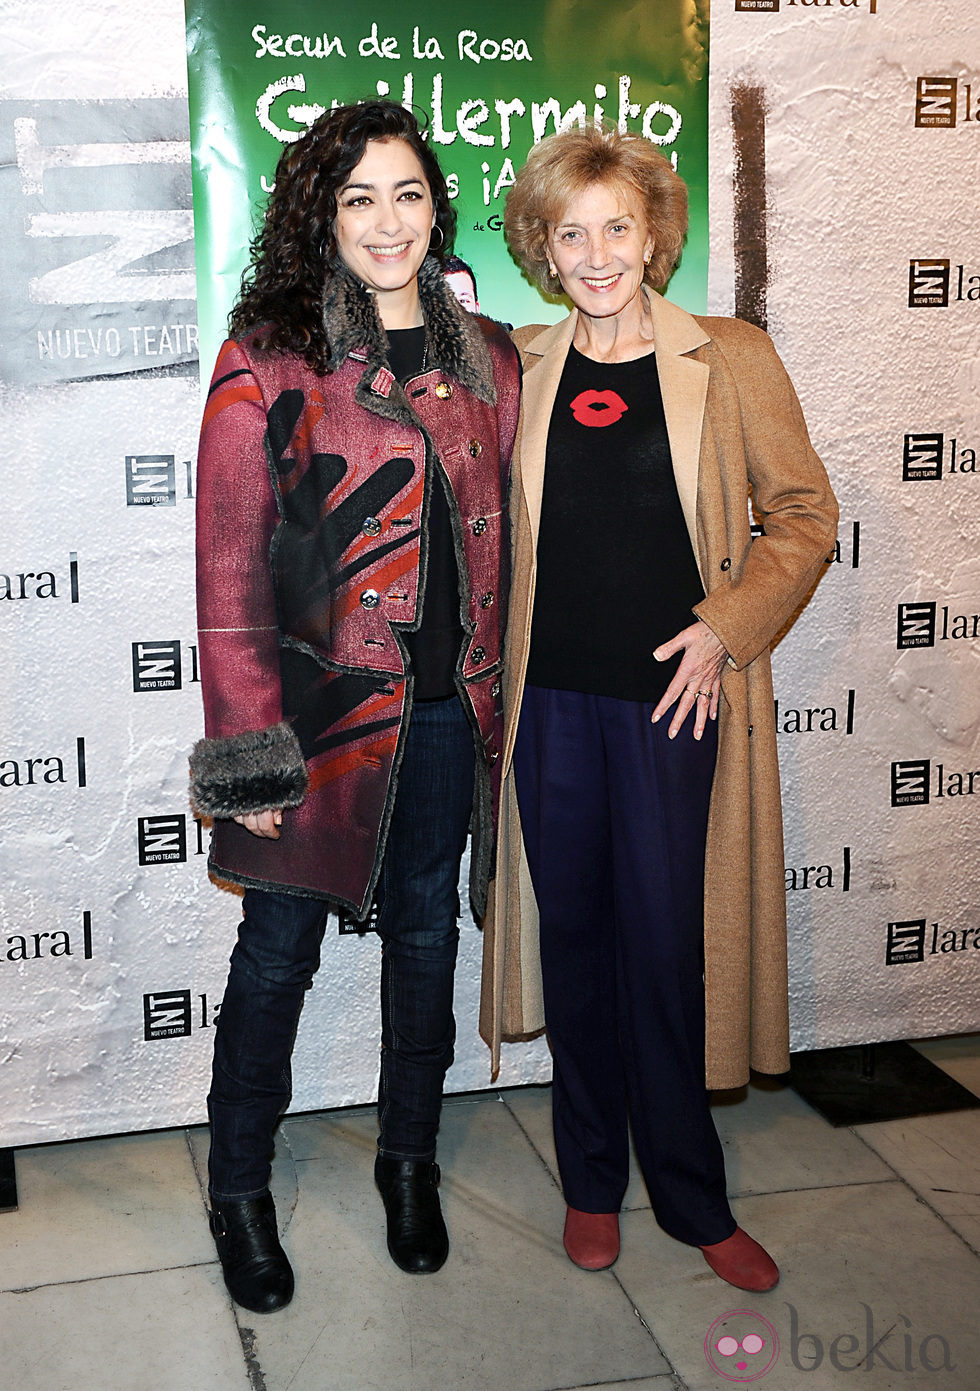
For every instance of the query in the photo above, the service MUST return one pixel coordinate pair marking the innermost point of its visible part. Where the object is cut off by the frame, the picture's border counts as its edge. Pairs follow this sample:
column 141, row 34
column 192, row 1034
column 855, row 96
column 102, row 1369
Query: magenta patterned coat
column 313, row 495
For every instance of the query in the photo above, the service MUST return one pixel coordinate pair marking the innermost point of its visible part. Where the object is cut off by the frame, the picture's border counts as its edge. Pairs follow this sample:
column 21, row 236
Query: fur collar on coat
column 454, row 339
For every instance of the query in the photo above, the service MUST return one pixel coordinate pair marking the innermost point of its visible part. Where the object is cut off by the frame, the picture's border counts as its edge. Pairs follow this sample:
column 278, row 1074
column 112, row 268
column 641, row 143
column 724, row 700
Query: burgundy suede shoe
column 742, row 1262
column 591, row 1238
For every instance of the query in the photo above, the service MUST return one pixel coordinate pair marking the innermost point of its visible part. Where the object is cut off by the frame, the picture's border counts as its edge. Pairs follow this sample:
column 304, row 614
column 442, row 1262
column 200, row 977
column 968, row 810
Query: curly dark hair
column 294, row 253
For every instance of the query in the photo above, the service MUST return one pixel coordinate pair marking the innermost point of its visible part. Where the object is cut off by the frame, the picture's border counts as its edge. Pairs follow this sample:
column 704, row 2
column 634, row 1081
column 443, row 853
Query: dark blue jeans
column 278, row 953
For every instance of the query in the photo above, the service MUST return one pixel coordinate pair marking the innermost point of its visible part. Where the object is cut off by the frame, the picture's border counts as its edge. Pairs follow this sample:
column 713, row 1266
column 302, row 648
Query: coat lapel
column 539, row 389
column 453, row 337
column 684, row 386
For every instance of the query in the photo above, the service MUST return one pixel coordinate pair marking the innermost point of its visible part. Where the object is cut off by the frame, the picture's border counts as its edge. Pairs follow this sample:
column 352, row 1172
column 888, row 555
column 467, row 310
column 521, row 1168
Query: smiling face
column 384, row 221
column 598, row 249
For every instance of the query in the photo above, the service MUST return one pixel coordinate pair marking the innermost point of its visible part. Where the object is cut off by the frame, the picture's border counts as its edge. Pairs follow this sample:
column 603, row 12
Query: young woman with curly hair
column 353, row 473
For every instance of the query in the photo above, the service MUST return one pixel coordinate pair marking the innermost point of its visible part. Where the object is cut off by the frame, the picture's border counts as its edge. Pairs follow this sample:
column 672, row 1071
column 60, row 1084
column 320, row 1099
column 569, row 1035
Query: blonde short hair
column 563, row 166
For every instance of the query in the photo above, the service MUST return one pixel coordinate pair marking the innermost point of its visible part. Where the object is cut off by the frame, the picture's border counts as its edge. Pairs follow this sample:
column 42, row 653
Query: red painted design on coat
column 372, row 709
column 338, row 764
column 598, row 407
column 402, row 507
column 246, row 390
column 378, row 579
column 302, row 443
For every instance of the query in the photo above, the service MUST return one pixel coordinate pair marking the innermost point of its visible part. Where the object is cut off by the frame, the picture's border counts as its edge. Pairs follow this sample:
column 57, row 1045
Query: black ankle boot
column 256, row 1270
column 417, row 1238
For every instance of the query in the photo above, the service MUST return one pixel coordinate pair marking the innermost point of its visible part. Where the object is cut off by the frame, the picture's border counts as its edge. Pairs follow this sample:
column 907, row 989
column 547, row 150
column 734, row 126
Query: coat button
column 487, row 601
column 443, row 390
column 371, row 526
column 726, row 564
column 492, row 757
column 478, row 654
column 476, row 448
column 751, row 727
column 370, row 599
column 479, row 526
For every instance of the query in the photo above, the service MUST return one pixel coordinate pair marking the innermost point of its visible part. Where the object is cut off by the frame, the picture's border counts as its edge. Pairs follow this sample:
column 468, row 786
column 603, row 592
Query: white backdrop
column 113, row 943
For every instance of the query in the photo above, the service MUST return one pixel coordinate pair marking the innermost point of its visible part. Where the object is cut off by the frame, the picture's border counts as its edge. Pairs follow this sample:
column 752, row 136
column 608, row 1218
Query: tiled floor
column 108, row 1280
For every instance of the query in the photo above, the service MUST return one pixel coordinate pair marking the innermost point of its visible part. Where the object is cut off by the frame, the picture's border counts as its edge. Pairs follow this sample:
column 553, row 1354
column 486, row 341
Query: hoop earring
column 442, row 238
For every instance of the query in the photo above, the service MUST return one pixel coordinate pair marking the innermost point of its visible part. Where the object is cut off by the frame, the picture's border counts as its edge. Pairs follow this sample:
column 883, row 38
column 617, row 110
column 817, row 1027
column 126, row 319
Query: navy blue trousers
column 614, row 816
column 278, row 953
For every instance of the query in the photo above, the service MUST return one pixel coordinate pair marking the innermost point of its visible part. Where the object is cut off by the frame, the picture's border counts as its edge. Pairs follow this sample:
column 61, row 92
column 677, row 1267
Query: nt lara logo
column 99, row 239
column 163, row 839
column 772, row 6
column 916, row 625
column 935, row 101
column 151, row 480
column 167, row 1014
column 926, row 456
column 914, row 939
column 928, row 284
column 924, row 623
column 157, row 666
column 170, row 1014
column 937, row 104
column 910, row 783
column 913, row 782
column 931, row 283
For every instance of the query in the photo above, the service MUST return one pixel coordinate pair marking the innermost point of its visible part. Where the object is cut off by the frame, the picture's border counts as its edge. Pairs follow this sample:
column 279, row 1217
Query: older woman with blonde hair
column 640, row 846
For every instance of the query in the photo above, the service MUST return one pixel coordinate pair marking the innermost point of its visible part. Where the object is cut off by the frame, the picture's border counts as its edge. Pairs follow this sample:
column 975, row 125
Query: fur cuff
column 258, row 771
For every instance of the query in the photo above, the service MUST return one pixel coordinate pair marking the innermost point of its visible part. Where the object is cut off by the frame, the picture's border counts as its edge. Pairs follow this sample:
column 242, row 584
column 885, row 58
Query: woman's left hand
column 697, row 681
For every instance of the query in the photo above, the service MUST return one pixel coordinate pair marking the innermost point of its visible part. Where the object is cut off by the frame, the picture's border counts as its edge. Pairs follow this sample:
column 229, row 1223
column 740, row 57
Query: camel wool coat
column 734, row 423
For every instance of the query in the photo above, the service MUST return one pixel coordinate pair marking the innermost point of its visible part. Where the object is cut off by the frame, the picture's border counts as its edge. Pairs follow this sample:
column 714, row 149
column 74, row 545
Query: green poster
column 492, row 81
